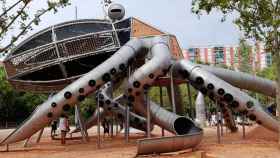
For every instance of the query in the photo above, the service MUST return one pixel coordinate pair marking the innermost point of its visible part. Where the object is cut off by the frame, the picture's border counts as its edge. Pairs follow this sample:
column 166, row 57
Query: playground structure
column 78, row 58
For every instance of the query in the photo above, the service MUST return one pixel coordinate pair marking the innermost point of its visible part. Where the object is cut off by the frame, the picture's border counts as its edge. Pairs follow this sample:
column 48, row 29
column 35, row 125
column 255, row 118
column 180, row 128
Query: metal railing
column 70, row 48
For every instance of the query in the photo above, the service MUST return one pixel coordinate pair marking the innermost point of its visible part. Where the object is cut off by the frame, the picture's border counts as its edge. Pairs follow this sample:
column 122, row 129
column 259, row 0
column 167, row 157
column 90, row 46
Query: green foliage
column 245, row 65
column 16, row 106
column 258, row 19
column 269, row 72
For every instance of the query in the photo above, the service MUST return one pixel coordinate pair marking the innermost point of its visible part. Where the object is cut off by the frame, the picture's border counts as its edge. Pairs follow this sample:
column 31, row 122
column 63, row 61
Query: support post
column 218, row 124
column 98, row 122
column 148, row 114
column 81, row 124
column 243, row 126
column 7, row 148
column 222, row 124
column 190, row 100
column 161, row 103
column 112, row 127
column 25, row 145
column 40, row 135
column 117, row 126
column 172, row 90
column 126, row 124
column 127, row 114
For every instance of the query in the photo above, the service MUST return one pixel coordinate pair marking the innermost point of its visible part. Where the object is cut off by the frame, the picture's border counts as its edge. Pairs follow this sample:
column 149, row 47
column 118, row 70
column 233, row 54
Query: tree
column 16, row 17
column 258, row 19
column 16, row 106
column 244, row 49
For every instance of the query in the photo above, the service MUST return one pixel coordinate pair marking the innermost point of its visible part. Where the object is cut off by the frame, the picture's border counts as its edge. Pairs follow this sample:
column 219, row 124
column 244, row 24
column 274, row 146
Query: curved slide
column 218, row 89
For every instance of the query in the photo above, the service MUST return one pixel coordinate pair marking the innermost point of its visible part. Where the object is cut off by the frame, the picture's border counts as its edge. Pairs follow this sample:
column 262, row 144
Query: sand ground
column 259, row 143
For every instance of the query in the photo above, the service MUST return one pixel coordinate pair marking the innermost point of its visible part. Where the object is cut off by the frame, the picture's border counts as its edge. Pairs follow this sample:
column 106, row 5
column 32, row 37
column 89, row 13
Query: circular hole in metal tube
column 252, row 117
column 81, row 98
column 66, row 107
column 81, row 90
column 106, row 77
column 203, row 90
column 199, row 80
column 50, row 115
column 53, row 104
column 67, row 95
column 92, row 83
column 235, row 104
column 136, row 84
column 151, row 76
column 250, row 104
column 210, row 86
column 122, row 67
column 221, row 91
column 108, row 102
column 228, row 98
column 113, row 71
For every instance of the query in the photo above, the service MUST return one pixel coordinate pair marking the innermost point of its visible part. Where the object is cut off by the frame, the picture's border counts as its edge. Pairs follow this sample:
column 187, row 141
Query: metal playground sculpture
column 78, row 58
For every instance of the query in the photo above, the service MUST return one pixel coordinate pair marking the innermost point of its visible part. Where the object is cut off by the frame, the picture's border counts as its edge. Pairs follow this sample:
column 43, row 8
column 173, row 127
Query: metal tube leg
column 148, row 115
column 40, row 135
column 218, row 124
column 172, row 91
column 98, row 123
column 25, row 145
column 243, row 126
column 161, row 103
column 127, row 124
column 7, row 148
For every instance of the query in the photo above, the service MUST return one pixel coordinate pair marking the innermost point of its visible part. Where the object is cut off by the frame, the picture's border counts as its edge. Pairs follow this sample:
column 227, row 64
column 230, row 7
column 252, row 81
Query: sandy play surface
column 259, row 143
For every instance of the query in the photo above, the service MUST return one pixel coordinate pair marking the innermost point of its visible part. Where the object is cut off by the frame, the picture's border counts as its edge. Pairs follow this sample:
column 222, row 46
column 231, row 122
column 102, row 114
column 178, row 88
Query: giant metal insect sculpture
column 78, row 58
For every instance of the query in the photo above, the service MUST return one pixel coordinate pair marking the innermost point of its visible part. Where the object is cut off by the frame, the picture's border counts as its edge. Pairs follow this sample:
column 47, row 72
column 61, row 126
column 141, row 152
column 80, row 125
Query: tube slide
column 243, row 80
column 76, row 92
column 140, row 81
column 220, row 90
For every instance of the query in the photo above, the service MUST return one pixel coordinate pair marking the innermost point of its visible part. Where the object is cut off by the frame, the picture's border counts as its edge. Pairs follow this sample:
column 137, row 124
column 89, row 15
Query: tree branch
column 14, row 19
column 11, row 7
column 23, row 31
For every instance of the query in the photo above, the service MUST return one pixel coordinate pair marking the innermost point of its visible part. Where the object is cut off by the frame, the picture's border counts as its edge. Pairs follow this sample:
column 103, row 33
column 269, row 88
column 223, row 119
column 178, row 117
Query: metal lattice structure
column 51, row 59
column 45, row 61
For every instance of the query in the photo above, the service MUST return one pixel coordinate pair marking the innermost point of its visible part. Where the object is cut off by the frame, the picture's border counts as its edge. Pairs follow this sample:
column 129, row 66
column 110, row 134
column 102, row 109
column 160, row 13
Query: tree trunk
column 277, row 57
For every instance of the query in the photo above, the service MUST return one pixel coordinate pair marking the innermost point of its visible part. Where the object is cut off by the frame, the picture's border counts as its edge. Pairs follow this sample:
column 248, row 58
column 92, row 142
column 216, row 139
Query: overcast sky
column 173, row 16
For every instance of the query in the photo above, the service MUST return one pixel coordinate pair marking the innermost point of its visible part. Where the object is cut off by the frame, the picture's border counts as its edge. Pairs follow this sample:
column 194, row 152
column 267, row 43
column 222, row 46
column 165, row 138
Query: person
column 64, row 127
column 105, row 125
column 54, row 128
column 213, row 120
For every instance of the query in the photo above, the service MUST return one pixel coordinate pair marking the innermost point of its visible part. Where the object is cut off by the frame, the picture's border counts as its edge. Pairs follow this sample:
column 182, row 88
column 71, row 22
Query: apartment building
column 229, row 55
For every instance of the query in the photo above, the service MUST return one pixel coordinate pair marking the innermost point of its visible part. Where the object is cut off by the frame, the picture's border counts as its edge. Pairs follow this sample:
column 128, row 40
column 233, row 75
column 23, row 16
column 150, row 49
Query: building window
column 268, row 59
column 219, row 54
